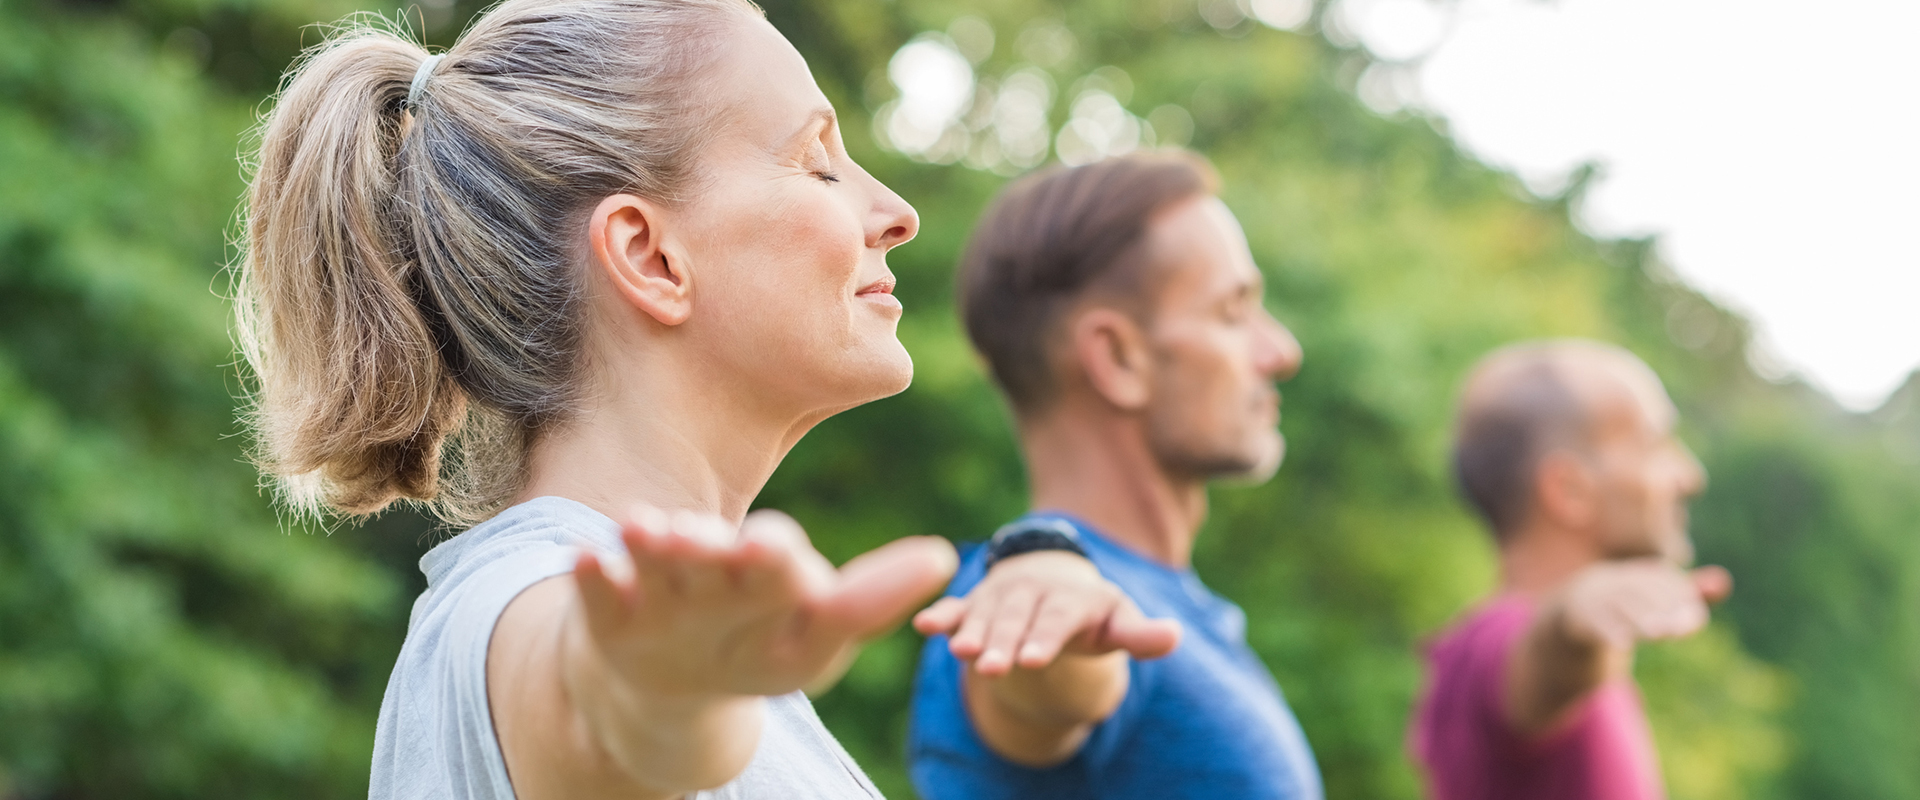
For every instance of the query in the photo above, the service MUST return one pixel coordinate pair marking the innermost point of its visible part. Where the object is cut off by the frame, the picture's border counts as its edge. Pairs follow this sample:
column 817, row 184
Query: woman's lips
column 880, row 293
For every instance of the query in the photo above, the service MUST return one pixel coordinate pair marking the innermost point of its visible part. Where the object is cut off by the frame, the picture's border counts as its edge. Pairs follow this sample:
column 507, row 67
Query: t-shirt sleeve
column 1490, row 650
column 443, row 693
column 1107, row 739
column 1492, row 653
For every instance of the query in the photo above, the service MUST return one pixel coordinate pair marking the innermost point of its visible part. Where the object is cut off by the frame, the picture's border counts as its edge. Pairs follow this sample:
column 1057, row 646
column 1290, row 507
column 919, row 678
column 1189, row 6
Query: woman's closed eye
column 820, row 163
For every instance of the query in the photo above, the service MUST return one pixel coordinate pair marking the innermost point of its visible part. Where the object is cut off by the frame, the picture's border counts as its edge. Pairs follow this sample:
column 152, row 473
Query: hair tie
column 420, row 79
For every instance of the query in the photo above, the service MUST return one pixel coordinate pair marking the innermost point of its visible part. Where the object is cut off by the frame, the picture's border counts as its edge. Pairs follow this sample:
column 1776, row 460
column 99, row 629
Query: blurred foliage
column 163, row 635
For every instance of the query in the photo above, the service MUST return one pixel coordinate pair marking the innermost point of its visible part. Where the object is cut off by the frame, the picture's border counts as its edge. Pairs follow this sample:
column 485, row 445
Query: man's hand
column 642, row 675
column 1033, row 607
column 1048, row 639
column 1615, row 605
column 1584, row 634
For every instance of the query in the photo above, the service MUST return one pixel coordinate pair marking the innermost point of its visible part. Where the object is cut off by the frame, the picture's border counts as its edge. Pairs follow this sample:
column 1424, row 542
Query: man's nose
column 1693, row 474
column 1279, row 353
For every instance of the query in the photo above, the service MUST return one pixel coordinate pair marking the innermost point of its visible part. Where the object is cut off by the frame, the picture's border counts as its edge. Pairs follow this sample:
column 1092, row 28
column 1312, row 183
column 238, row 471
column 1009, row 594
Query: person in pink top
column 1567, row 449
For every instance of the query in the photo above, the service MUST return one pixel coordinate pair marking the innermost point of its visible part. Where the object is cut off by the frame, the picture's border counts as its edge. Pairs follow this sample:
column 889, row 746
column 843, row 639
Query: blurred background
column 1421, row 182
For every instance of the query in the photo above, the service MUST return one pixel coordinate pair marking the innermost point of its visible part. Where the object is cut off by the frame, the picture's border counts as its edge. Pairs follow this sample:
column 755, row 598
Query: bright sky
column 1773, row 146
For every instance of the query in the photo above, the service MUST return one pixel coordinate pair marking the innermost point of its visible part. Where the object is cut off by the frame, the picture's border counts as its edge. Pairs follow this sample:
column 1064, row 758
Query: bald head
column 1527, row 400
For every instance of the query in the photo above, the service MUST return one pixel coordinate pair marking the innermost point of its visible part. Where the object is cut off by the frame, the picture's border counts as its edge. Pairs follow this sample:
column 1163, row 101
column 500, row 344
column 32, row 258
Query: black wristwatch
column 1032, row 536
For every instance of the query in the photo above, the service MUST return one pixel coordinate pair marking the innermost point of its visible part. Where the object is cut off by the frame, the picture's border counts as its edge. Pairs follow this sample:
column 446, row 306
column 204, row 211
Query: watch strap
column 1033, row 535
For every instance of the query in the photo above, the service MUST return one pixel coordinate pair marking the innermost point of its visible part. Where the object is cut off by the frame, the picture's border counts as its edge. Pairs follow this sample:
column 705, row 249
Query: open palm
column 698, row 608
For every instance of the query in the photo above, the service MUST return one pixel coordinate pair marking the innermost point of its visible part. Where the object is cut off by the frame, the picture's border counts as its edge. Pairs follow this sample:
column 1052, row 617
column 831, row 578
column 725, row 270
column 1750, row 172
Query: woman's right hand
column 643, row 675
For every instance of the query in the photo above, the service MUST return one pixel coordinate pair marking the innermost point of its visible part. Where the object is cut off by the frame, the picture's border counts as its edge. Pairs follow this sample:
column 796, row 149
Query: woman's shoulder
column 552, row 524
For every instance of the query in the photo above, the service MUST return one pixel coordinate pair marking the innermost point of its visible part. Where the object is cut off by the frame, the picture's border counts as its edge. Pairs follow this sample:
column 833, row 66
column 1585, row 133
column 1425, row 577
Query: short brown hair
column 1050, row 239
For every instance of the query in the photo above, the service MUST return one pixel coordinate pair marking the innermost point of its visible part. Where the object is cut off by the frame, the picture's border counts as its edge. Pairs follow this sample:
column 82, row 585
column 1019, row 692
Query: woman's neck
column 662, row 441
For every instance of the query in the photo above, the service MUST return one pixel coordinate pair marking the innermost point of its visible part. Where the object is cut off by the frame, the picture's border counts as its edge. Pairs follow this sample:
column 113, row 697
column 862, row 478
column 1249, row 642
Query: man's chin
column 1255, row 468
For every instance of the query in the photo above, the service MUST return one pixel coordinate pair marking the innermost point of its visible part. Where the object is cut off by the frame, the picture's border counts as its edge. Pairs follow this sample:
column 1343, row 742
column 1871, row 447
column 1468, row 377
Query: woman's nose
column 893, row 221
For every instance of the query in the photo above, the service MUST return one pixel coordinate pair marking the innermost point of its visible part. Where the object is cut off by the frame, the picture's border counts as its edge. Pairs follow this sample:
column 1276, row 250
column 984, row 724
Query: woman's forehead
column 763, row 83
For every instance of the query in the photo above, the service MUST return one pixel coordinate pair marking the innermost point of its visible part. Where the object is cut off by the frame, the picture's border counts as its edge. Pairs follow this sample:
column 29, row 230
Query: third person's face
column 1646, row 475
column 1215, row 410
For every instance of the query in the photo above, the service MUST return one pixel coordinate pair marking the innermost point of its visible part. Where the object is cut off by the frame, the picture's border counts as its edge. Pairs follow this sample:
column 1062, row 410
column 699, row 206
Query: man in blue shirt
column 1120, row 311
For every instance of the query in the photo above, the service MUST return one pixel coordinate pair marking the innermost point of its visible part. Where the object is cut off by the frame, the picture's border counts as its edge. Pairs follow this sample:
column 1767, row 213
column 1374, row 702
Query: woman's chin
column 893, row 370
column 883, row 370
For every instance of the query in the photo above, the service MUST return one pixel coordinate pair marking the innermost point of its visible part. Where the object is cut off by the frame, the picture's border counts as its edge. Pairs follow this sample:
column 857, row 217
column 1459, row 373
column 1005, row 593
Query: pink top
column 1603, row 751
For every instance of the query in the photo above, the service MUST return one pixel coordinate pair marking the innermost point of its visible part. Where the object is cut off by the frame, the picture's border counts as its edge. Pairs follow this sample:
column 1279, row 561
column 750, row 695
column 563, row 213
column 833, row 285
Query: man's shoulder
column 972, row 569
column 1494, row 623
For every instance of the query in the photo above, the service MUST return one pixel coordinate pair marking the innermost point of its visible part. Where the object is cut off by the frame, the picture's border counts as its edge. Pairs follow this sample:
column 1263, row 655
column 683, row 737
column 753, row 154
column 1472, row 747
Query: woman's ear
column 626, row 244
column 1112, row 351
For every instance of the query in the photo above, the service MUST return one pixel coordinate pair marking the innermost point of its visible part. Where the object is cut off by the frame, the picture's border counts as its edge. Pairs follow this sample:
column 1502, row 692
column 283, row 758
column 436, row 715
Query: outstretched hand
column 1032, row 608
column 1586, row 632
column 1616, row 605
column 698, row 608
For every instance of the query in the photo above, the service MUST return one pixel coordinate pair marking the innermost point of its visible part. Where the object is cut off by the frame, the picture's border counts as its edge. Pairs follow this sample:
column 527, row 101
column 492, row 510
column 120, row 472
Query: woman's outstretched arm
column 644, row 677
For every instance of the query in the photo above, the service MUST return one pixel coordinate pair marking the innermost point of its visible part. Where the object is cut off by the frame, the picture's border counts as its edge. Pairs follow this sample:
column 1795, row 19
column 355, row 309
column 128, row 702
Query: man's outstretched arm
column 1047, row 641
column 1585, row 633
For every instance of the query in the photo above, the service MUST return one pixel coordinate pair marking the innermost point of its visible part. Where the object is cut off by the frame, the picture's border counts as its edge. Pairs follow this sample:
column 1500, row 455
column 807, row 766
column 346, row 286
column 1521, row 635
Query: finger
column 1665, row 612
column 878, row 589
column 604, row 601
column 941, row 617
column 1685, row 610
column 769, row 571
column 704, row 542
column 776, row 530
column 1011, row 618
column 1060, row 618
column 1714, row 583
column 1141, row 636
column 971, row 639
column 1610, row 624
column 707, row 529
column 654, row 583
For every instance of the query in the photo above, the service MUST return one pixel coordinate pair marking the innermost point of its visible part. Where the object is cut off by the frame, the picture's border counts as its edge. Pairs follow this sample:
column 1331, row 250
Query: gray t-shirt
column 435, row 737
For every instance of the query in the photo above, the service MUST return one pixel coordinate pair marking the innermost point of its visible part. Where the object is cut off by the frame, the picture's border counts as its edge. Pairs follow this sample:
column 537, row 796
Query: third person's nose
column 1278, row 354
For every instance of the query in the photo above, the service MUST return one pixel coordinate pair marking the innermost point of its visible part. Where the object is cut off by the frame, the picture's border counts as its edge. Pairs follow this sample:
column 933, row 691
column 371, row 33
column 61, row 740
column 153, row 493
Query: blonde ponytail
column 408, row 290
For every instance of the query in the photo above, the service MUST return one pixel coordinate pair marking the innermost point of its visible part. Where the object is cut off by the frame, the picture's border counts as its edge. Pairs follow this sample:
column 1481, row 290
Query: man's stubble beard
column 1183, row 454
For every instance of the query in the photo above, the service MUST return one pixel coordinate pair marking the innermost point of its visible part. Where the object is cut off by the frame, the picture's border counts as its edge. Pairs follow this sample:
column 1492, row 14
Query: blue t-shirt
column 1207, row 721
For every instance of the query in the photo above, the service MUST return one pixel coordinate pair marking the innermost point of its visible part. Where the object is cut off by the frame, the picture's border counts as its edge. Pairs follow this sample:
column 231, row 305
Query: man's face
column 1214, row 411
column 1644, row 473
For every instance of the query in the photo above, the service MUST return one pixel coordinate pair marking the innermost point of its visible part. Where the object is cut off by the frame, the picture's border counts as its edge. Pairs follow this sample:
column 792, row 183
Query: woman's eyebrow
column 821, row 118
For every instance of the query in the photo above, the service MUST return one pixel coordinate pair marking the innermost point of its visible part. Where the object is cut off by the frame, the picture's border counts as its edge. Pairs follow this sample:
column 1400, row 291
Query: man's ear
column 1565, row 491
column 625, row 242
column 1112, row 352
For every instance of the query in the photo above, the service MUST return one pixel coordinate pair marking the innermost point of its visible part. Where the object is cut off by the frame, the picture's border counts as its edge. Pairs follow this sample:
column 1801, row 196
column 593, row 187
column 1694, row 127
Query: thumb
column 1714, row 583
column 880, row 587
column 1142, row 637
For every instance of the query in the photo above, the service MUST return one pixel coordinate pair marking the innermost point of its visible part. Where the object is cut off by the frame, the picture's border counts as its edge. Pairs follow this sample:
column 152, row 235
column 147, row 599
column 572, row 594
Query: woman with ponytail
column 599, row 259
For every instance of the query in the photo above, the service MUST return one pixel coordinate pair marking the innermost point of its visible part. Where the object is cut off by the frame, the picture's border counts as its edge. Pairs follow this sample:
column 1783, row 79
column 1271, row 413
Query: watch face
column 1049, row 524
column 1031, row 536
